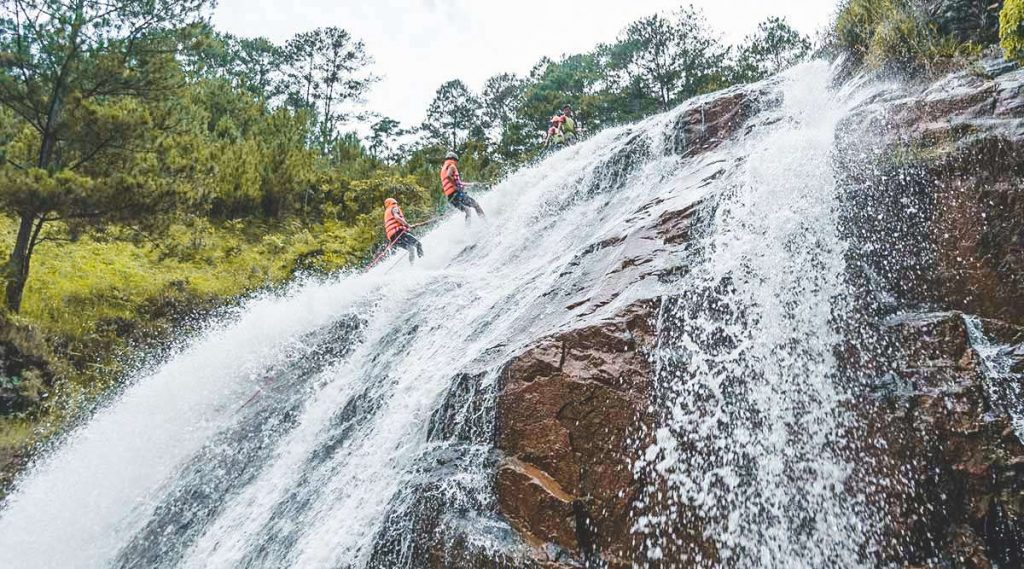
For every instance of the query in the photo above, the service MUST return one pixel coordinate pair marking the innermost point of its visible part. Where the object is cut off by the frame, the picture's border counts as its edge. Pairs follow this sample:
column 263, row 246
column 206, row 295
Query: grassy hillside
column 98, row 300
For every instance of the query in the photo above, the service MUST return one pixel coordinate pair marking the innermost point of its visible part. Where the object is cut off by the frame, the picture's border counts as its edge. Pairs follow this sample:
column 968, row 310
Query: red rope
column 384, row 252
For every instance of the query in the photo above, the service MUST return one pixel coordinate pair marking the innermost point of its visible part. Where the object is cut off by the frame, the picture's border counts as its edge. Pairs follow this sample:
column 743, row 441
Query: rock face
column 950, row 161
column 948, row 448
column 570, row 409
column 939, row 221
column 573, row 408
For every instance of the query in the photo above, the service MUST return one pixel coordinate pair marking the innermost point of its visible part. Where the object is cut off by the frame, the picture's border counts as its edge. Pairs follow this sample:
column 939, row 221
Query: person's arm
column 458, row 179
column 400, row 216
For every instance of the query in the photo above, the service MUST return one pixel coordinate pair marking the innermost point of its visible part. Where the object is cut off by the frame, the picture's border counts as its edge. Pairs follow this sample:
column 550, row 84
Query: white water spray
column 753, row 412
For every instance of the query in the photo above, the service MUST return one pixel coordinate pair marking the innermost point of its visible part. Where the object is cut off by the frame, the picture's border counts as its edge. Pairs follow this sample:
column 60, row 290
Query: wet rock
column 937, row 218
column 567, row 412
column 707, row 121
column 949, row 458
column 442, row 519
column 465, row 413
column 940, row 198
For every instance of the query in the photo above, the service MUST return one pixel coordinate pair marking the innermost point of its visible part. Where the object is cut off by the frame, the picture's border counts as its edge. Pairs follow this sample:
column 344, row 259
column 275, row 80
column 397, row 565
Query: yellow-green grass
column 74, row 287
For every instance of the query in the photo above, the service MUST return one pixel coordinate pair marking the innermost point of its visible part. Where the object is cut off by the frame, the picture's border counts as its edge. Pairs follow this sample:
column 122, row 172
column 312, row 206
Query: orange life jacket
column 449, row 185
column 394, row 222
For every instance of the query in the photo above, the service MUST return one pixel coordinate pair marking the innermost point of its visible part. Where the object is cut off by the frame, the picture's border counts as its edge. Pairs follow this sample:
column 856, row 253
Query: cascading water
column 750, row 394
column 377, row 389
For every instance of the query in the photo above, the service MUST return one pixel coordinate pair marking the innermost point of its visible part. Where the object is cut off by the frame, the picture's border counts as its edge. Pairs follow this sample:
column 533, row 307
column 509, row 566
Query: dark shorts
column 460, row 199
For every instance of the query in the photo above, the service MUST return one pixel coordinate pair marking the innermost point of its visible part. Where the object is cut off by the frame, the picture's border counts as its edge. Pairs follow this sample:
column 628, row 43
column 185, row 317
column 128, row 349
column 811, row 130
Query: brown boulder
column 569, row 413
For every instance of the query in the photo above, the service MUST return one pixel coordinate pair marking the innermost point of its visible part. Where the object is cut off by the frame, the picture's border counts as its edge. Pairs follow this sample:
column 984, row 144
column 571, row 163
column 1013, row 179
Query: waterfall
column 313, row 427
column 751, row 398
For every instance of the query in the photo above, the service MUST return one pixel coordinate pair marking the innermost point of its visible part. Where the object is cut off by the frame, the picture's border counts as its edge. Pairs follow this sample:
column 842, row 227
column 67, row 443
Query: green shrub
column 898, row 35
column 1011, row 29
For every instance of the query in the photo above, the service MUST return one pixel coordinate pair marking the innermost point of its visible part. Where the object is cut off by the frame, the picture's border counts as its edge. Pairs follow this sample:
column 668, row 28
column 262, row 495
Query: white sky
column 419, row 44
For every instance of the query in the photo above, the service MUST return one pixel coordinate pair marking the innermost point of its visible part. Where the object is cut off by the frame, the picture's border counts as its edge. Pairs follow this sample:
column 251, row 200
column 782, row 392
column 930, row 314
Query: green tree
column 452, row 114
column 666, row 60
column 510, row 131
column 255, row 65
column 87, row 79
column 577, row 80
column 326, row 68
column 646, row 55
column 384, row 140
column 774, row 47
column 501, row 99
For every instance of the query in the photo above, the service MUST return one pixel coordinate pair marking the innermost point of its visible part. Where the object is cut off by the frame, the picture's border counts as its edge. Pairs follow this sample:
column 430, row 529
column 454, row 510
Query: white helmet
column 451, row 155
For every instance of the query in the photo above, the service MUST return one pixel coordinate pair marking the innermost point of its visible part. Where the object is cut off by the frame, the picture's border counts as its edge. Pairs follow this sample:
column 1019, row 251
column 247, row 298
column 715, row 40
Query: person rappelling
column 569, row 125
column 398, row 230
column 454, row 189
column 554, row 135
column 562, row 129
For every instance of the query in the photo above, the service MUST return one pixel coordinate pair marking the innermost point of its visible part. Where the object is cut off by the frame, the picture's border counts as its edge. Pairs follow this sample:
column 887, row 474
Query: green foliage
column 665, row 60
column 896, row 34
column 96, row 82
column 576, row 80
column 1011, row 29
column 452, row 114
column 656, row 62
column 774, row 47
column 325, row 68
column 384, row 140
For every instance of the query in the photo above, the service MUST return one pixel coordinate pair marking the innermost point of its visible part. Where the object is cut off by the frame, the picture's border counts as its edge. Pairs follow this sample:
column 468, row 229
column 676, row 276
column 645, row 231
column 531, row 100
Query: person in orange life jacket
column 555, row 133
column 397, row 230
column 454, row 189
column 558, row 119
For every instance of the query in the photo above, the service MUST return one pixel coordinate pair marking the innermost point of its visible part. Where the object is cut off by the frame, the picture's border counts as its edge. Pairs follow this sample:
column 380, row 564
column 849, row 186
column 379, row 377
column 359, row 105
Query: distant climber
column 397, row 230
column 454, row 189
column 568, row 124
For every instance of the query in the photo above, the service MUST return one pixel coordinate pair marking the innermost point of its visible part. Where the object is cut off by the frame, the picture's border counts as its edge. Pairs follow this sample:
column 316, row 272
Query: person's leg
column 459, row 203
column 404, row 242
column 473, row 203
column 413, row 244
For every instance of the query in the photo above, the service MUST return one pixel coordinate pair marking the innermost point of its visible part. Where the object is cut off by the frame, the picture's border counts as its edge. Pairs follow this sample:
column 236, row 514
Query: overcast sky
column 419, row 44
